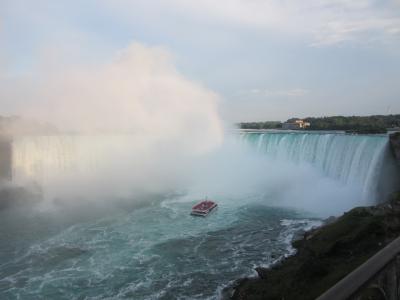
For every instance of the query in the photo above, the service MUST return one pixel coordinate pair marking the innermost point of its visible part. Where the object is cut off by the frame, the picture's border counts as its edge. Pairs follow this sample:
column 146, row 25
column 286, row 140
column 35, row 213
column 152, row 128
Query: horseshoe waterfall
column 114, row 220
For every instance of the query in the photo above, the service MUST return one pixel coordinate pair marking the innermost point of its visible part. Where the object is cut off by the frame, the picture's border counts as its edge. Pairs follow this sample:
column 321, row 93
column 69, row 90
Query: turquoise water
column 120, row 242
column 154, row 252
column 351, row 159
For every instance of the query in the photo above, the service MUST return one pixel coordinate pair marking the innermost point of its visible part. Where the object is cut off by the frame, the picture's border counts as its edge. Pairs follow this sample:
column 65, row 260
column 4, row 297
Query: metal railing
column 378, row 278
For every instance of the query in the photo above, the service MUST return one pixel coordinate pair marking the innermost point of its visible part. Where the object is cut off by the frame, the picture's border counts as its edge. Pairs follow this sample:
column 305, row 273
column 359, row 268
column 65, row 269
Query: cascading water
column 351, row 159
column 40, row 158
column 92, row 166
column 267, row 193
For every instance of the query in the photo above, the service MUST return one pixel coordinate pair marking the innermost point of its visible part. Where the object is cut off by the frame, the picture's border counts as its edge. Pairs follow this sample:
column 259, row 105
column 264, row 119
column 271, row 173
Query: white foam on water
column 321, row 174
column 351, row 159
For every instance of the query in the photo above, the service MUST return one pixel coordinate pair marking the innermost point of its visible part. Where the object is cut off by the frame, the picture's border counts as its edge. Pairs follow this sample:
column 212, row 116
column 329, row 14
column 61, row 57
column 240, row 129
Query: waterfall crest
column 96, row 162
column 351, row 159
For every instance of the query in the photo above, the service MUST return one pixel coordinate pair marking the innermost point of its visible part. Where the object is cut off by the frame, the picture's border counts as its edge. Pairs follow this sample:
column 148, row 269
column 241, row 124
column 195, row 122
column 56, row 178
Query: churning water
column 351, row 159
column 137, row 246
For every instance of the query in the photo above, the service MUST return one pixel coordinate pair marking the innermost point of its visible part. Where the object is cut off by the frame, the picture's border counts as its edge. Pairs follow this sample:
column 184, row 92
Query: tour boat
column 203, row 208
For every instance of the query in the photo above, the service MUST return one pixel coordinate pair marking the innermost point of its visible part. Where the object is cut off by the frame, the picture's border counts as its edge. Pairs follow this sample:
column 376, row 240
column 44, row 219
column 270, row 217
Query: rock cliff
column 326, row 255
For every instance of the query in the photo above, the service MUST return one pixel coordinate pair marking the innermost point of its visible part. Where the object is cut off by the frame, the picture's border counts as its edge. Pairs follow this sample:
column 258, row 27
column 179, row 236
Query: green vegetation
column 367, row 124
column 261, row 125
column 326, row 255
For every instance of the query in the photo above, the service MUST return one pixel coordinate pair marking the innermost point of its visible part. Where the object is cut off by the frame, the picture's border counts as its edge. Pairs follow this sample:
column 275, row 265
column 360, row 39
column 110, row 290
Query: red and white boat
column 203, row 208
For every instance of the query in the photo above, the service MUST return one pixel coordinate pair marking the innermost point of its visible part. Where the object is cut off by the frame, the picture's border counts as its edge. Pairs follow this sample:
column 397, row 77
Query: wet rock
column 330, row 220
column 394, row 140
column 262, row 272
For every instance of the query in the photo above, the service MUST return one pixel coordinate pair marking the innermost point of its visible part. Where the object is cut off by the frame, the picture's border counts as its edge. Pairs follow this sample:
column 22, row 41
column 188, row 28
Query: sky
column 261, row 59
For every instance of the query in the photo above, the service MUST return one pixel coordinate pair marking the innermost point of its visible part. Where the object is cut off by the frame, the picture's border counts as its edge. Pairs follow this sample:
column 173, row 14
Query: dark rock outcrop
column 394, row 140
column 326, row 255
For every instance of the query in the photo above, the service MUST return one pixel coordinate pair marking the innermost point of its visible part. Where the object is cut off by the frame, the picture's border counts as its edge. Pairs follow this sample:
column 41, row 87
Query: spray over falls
column 267, row 189
column 123, row 164
column 351, row 159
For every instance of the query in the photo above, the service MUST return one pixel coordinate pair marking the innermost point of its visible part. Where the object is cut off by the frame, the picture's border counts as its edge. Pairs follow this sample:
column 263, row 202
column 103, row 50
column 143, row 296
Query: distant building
column 293, row 124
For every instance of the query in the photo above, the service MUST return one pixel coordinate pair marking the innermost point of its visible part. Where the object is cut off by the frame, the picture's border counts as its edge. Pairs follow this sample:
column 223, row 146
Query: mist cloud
column 130, row 125
column 138, row 91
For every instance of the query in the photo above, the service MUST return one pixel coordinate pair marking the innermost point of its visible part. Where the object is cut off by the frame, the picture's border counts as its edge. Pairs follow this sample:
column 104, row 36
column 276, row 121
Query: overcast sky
column 266, row 59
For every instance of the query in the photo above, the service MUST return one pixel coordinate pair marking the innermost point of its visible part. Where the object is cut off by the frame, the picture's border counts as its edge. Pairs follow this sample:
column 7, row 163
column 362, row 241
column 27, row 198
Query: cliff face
column 394, row 140
column 324, row 256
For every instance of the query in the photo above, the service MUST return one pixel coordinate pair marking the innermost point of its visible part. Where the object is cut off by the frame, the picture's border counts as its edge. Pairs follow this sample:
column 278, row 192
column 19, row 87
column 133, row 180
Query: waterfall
column 351, row 159
column 42, row 157
column 69, row 164
column 98, row 166
column 116, row 163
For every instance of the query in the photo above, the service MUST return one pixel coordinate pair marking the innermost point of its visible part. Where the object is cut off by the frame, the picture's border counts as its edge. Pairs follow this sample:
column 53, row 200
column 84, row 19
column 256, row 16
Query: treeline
column 367, row 124
column 261, row 125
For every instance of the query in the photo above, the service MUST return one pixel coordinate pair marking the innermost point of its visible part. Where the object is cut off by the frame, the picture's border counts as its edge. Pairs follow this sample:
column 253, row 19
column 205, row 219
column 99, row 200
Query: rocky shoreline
column 327, row 254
